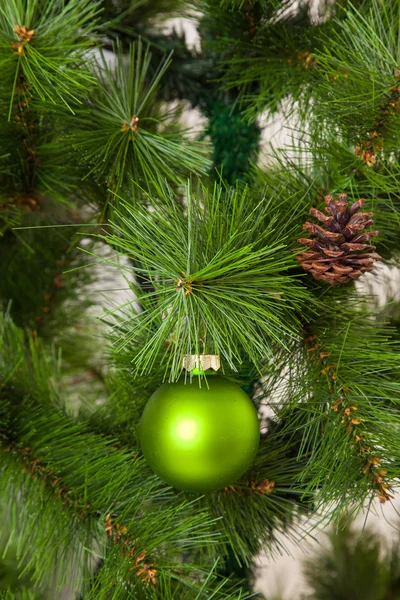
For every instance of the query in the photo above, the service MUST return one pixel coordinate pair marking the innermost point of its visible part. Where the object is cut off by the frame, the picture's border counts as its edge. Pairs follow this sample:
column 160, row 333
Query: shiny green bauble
column 199, row 439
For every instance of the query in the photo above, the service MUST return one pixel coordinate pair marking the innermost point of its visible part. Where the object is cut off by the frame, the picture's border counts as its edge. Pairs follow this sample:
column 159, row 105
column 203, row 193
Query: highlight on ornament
column 187, row 429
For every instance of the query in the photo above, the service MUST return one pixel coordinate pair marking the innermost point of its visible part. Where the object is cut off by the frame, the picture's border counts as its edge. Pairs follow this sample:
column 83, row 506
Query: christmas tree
column 139, row 256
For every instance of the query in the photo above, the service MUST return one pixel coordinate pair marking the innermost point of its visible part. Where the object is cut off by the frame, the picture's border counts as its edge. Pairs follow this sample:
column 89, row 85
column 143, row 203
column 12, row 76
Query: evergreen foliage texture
column 351, row 563
column 103, row 186
column 354, row 564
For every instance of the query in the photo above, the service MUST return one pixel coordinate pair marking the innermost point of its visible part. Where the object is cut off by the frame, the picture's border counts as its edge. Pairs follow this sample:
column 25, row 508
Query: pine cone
column 341, row 252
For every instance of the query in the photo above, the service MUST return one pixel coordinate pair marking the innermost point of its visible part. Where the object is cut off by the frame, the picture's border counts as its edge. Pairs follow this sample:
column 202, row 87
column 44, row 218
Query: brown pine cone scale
column 339, row 251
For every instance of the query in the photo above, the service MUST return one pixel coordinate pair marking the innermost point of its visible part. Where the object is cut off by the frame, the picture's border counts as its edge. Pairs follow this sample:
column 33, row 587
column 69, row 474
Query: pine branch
column 126, row 137
column 222, row 286
column 361, row 98
column 270, row 493
column 262, row 50
column 51, row 302
column 46, row 73
column 24, row 494
column 327, row 164
column 355, row 564
column 93, row 489
column 124, row 555
column 269, row 499
column 189, row 72
column 344, row 388
column 47, row 43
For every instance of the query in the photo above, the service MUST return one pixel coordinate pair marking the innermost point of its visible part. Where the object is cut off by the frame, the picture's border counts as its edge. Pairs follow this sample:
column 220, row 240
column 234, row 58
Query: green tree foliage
column 351, row 563
column 99, row 175
column 123, row 140
column 208, row 261
column 355, row 564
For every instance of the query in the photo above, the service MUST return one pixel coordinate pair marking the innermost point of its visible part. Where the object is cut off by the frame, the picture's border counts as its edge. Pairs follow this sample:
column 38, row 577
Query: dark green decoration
column 235, row 140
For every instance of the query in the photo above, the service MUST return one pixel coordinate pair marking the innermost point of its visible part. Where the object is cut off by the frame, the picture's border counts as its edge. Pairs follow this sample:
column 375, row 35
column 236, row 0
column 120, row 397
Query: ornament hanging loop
column 201, row 362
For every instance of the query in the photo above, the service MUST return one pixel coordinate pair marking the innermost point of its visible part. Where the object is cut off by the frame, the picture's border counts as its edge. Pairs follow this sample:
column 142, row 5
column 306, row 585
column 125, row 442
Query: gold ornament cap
column 198, row 363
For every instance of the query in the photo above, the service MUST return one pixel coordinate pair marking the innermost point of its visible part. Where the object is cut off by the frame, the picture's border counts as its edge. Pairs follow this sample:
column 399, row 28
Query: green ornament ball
column 199, row 439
